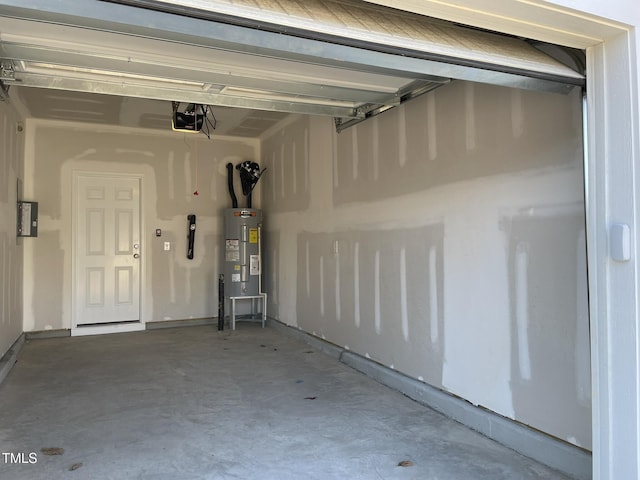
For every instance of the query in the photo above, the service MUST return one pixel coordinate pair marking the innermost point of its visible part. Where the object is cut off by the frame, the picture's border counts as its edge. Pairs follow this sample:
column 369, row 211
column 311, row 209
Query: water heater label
column 232, row 250
column 235, row 277
column 253, row 235
column 254, row 265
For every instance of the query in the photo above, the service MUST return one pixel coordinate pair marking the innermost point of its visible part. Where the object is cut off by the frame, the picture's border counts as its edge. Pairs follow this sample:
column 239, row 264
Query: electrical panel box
column 27, row 219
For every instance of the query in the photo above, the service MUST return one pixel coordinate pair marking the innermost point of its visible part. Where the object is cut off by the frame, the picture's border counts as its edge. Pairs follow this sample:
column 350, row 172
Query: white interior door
column 107, row 250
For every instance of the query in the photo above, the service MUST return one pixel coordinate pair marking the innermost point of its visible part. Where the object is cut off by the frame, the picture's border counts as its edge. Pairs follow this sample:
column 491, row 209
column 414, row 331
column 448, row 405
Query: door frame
column 77, row 331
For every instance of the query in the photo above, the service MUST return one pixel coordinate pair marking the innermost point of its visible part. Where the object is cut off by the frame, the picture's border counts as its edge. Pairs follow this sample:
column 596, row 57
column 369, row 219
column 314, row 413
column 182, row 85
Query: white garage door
column 346, row 59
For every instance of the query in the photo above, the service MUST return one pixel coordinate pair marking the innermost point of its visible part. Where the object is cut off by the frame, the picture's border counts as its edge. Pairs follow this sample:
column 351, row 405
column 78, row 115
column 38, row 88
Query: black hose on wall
column 232, row 193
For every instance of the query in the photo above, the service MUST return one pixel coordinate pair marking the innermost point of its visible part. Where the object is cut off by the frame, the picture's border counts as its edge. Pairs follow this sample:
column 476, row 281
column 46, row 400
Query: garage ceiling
column 345, row 59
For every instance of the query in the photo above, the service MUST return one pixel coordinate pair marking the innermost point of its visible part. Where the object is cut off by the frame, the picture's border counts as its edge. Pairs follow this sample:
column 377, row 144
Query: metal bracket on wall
column 414, row 90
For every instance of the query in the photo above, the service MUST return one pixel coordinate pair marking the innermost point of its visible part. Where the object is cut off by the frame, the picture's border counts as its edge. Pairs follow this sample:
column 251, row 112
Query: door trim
column 76, row 330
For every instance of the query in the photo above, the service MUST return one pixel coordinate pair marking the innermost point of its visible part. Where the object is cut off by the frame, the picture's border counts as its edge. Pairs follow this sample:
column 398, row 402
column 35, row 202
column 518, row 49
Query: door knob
column 136, row 255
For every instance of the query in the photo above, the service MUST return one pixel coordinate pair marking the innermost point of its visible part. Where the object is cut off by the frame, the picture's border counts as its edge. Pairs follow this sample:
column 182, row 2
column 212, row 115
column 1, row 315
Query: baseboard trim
column 564, row 457
column 40, row 334
column 189, row 322
column 326, row 347
column 10, row 358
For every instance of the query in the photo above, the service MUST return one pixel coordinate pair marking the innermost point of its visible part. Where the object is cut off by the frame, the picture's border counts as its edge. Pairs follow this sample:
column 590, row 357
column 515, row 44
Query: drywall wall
column 172, row 166
column 444, row 239
column 11, row 178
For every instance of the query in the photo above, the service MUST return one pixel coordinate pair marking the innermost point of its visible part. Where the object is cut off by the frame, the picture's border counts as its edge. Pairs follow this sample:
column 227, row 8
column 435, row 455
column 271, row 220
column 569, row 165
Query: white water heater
column 242, row 252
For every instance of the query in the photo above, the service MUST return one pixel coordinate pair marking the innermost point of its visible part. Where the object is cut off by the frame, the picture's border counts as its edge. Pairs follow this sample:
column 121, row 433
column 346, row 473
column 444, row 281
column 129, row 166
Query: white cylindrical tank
column 242, row 255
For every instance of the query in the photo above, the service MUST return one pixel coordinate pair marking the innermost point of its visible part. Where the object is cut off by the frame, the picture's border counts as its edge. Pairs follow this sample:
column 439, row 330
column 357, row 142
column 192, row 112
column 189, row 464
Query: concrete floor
column 195, row 403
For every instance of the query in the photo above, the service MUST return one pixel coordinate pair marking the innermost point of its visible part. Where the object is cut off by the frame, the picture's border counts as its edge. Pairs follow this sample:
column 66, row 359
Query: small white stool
column 263, row 315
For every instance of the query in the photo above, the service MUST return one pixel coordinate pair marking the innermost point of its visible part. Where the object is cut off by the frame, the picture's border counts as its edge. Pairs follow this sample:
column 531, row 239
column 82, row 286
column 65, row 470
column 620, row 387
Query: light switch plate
column 167, row 246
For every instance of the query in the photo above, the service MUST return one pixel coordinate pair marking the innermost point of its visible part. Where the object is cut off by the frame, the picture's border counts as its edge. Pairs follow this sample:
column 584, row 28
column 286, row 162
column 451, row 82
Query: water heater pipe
column 221, row 302
column 232, row 193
